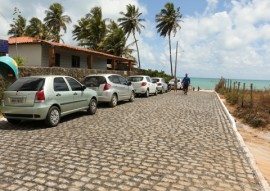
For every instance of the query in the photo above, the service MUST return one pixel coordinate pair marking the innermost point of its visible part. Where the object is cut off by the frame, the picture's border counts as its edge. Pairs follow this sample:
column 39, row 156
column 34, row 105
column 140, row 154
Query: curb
column 264, row 184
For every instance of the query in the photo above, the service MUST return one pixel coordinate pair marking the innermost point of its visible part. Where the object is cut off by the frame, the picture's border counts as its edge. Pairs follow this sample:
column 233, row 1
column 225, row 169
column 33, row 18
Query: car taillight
column 40, row 96
column 144, row 83
column 106, row 86
column 159, row 84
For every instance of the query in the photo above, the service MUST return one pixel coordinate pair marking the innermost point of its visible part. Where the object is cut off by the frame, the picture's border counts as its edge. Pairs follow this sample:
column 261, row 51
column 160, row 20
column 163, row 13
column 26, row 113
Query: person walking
column 185, row 84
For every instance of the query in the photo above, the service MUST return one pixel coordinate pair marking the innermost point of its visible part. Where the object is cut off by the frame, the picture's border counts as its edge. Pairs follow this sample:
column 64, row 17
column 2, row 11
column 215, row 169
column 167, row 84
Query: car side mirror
column 83, row 87
column 129, row 83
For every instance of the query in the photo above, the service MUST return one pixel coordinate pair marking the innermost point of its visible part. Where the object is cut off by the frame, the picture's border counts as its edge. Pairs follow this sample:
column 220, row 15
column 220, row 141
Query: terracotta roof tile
column 31, row 40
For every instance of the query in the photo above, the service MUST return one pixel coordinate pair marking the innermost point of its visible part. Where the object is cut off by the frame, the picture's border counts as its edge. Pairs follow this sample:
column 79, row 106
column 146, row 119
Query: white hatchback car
column 162, row 86
column 110, row 88
column 143, row 85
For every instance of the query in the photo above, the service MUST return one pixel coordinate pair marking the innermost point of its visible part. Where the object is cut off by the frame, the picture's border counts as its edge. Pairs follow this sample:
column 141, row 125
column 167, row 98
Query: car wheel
column 113, row 101
column 156, row 92
column 13, row 121
column 162, row 91
column 92, row 107
column 132, row 97
column 53, row 116
column 146, row 93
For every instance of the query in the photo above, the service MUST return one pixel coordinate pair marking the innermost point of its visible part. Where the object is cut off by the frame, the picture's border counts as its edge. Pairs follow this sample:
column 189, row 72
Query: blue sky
column 229, row 38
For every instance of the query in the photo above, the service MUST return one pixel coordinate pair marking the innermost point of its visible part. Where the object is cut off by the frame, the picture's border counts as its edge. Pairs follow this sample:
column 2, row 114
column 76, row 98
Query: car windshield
column 135, row 79
column 155, row 80
column 94, row 81
column 27, row 84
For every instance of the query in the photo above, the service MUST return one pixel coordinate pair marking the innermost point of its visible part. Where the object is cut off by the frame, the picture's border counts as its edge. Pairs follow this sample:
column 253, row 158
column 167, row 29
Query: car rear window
column 155, row 80
column 27, row 84
column 94, row 81
column 135, row 79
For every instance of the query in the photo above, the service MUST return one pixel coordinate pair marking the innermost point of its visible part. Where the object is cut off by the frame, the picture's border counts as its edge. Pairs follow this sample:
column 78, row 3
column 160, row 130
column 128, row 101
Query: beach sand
column 258, row 142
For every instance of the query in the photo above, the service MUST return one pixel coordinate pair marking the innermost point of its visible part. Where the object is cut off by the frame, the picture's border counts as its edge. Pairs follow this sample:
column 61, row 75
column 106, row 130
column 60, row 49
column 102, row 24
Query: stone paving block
column 165, row 142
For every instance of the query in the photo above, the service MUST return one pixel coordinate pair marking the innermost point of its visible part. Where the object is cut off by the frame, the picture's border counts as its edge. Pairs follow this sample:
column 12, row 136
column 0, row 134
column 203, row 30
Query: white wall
column 31, row 53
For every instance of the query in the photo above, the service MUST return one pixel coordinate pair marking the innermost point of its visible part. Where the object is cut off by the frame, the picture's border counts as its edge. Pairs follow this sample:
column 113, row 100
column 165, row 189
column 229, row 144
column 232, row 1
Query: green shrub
column 232, row 97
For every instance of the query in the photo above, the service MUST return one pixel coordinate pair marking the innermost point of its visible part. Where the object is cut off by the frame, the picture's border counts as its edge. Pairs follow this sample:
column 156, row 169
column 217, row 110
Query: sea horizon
column 210, row 83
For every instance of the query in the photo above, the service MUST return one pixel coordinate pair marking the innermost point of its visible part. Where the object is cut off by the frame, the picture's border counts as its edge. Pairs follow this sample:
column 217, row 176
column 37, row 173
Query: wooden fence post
column 251, row 95
column 230, row 86
column 243, row 95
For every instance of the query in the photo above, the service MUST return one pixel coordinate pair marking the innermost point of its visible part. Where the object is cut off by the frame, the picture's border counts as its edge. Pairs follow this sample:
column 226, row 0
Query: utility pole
column 175, row 60
column 16, row 14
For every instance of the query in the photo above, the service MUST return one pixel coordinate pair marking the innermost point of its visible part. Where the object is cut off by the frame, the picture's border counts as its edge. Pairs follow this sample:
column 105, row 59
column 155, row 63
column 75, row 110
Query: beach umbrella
column 8, row 67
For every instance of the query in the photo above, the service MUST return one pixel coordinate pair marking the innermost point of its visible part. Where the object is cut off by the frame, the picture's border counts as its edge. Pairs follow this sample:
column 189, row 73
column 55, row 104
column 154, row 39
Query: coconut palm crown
column 167, row 22
column 131, row 23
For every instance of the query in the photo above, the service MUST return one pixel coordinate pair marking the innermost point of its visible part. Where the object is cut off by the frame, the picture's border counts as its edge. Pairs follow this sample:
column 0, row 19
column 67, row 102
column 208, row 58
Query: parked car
column 179, row 84
column 110, row 88
column 162, row 86
column 46, row 98
column 143, row 85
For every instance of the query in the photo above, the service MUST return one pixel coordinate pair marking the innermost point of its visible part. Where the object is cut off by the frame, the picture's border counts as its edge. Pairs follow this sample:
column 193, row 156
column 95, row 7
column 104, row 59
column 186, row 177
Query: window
column 148, row 79
column 135, row 79
column 114, row 79
column 123, row 81
column 27, row 84
column 75, row 62
column 75, row 86
column 57, row 60
column 94, row 81
column 59, row 84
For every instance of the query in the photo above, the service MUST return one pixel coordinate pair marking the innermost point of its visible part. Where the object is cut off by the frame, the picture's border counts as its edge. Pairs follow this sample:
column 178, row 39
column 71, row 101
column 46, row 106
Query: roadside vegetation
column 252, row 106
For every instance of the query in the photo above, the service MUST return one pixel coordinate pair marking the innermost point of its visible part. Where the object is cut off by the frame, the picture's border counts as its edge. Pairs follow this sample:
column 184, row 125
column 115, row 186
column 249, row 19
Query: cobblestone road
column 164, row 142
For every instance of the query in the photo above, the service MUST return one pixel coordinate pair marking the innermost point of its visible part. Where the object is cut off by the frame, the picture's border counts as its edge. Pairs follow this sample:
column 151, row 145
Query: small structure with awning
column 8, row 68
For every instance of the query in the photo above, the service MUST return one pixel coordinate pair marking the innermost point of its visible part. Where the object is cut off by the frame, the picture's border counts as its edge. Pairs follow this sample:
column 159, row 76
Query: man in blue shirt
column 185, row 83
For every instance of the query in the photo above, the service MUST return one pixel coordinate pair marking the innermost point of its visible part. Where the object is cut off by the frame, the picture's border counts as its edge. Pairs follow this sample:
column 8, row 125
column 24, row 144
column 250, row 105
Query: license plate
column 16, row 100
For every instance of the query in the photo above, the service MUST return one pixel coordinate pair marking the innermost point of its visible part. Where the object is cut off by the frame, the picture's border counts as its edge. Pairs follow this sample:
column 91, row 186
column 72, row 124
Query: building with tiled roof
column 42, row 53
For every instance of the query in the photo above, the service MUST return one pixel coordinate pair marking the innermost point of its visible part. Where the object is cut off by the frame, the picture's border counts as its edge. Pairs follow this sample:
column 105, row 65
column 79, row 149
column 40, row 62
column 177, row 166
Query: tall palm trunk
column 137, row 50
column 170, row 54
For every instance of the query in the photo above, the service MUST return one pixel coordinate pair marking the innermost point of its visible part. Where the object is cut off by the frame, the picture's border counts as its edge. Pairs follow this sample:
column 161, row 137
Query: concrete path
column 165, row 142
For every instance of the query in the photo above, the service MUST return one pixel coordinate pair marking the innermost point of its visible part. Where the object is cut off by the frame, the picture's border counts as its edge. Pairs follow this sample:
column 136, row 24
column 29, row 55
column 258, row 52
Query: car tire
column 113, row 101
column 132, row 97
column 92, row 107
column 162, row 91
column 13, row 121
column 53, row 116
column 146, row 93
column 156, row 92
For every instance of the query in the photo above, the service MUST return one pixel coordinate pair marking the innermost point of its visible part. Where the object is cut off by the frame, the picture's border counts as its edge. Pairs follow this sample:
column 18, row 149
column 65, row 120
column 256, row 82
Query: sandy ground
column 258, row 143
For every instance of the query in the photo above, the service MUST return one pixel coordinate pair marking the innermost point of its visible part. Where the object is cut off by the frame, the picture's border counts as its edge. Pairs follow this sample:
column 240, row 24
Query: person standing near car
column 185, row 83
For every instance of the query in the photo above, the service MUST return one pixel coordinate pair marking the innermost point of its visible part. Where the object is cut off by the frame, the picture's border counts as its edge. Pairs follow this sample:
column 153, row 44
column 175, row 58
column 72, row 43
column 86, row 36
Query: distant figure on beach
column 185, row 83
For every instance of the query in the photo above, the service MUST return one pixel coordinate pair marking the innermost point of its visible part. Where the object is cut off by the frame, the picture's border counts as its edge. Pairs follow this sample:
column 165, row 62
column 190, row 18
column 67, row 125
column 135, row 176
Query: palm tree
column 130, row 23
column 18, row 28
column 167, row 22
column 37, row 29
column 115, row 41
column 81, row 31
column 56, row 21
column 91, row 29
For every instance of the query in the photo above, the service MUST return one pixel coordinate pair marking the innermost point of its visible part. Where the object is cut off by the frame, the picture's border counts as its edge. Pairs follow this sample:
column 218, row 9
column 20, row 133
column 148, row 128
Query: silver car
column 162, row 86
column 46, row 98
column 110, row 88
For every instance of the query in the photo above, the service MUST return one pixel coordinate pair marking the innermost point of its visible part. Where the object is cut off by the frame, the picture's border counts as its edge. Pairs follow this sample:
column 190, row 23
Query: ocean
column 210, row 83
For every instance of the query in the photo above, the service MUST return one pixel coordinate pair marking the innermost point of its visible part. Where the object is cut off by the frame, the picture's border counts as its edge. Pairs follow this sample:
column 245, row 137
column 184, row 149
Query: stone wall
column 78, row 73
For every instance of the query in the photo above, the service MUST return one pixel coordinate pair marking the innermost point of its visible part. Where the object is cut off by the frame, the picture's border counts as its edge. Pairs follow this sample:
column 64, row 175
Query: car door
column 79, row 98
column 63, row 94
column 125, row 88
column 116, row 86
column 150, row 84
